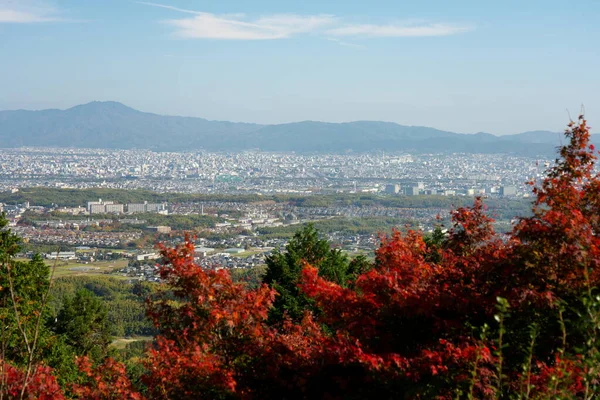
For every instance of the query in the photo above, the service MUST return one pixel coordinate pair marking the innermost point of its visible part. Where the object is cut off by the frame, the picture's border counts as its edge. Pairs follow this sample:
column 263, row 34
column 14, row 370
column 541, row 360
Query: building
column 204, row 250
column 147, row 257
column 136, row 208
column 96, row 208
column 99, row 202
column 412, row 191
column 160, row 229
column 201, row 252
column 234, row 250
column 508, row 191
column 90, row 204
column 104, row 207
column 392, row 189
column 65, row 255
column 114, row 208
column 155, row 207
column 146, row 207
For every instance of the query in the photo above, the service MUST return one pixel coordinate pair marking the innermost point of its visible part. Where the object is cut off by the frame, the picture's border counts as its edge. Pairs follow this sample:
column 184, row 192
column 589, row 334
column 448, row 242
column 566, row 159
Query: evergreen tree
column 23, row 287
column 434, row 242
column 83, row 324
column 284, row 271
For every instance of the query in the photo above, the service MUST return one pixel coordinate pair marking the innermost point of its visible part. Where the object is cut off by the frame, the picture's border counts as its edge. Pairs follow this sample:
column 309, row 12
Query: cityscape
column 269, row 173
column 110, row 224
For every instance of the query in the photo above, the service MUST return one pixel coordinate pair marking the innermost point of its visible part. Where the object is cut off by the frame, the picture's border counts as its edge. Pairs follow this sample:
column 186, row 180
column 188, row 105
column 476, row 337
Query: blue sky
column 467, row 66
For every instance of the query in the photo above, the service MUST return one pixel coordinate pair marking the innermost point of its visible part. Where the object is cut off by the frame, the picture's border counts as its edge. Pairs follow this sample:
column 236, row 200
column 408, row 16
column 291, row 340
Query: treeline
column 363, row 226
column 44, row 248
column 124, row 301
column 181, row 222
column 40, row 196
column 175, row 221
column 378, row 200
column 46, row 197
column 80, row 197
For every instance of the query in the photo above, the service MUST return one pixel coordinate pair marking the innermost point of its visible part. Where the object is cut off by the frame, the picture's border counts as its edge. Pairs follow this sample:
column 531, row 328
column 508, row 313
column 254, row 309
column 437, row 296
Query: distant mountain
column 114, row 125
column 351, row 136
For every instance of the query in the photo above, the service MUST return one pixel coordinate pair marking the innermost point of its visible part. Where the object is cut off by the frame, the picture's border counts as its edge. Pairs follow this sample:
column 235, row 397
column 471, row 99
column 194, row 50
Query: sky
column 466, row 66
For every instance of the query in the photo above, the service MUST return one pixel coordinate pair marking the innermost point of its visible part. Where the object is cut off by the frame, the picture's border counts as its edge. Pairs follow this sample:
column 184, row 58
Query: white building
column 114, row 208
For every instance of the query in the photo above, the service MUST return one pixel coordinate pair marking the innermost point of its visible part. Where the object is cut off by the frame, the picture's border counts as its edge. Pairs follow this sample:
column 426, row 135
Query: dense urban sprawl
column 239, row 234
column 203, row 172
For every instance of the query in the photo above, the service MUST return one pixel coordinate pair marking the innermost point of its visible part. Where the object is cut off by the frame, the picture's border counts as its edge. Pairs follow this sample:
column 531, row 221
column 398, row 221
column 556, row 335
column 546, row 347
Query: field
column 121, row 342
column 77, row 268
column 249, row 253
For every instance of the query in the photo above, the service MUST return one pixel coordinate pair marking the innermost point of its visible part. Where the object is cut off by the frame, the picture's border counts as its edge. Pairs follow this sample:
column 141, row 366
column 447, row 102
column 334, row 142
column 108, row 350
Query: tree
column 83, row 324
column 106, row 381
column 438, row 326
column 284, row 271
column 23, row 287
column 24, row 338
column 215, row 339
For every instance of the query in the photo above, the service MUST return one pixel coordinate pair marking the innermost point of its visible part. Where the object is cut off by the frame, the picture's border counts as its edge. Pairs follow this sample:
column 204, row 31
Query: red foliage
column 106, row 381
column 41, row 384
column 405, row 328
column 214, row 337
column 568, row 372
column 561, row 240
column 406, row 307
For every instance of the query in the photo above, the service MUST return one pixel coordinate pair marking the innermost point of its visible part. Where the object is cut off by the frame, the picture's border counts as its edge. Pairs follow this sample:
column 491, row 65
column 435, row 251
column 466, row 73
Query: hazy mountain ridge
column 114, row 125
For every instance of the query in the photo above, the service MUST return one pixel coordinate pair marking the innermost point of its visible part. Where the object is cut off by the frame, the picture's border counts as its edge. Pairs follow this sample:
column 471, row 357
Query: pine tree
column 83, row 324
column 284, row 270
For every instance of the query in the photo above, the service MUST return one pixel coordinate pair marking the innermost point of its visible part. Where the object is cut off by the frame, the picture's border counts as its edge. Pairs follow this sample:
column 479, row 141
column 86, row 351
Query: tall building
column 146, row 207
column 114, row 208
column 103, row 207
column 412, row 191
column 136, row 207
column 93, row 203
column 155, row 207
column 97, row 208
column 392, row 189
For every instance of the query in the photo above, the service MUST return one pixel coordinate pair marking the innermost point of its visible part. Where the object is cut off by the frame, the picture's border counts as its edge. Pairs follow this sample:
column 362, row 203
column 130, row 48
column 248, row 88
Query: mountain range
column 115, row 126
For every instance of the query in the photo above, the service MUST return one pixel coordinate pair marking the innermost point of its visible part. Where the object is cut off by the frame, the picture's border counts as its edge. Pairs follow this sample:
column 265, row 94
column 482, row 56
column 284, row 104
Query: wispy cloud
column 183, row 10
column 210, row 26
column 368, row 30
column 203, row 25
column 347, row 44
column 26, row 12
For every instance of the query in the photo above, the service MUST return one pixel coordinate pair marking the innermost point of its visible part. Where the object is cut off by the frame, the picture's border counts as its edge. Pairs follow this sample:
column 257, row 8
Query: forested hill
column 114, row 125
